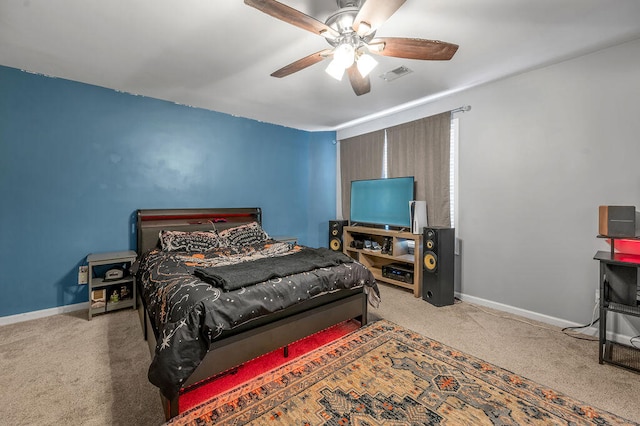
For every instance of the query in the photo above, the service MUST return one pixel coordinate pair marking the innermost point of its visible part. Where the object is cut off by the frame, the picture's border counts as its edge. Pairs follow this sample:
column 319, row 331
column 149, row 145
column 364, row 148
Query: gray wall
column 538, row 153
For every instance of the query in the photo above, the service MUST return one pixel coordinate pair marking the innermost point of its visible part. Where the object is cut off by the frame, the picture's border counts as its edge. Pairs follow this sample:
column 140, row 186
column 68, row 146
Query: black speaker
column 438, row 267
column 335, row 234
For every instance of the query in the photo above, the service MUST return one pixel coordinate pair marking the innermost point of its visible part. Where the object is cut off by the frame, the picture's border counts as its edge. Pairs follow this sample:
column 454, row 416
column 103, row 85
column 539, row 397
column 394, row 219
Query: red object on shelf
column 626, row 246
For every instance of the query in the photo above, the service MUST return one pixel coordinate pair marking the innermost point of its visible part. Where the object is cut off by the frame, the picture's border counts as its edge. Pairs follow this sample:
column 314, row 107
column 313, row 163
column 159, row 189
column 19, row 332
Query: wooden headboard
column 149, row 223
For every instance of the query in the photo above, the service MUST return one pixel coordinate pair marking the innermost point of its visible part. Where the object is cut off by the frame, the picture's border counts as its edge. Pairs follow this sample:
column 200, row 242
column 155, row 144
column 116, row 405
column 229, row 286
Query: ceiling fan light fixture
column 344, row 54
column 335, row 69
column 366, row 64
column 346, row 21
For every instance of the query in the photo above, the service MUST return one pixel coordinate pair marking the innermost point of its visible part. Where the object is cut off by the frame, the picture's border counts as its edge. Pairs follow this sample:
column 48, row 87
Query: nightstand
column 111, row 286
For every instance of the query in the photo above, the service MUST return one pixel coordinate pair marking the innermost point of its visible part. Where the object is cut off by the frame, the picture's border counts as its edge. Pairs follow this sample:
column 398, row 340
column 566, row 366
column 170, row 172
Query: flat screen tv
column 382, row 202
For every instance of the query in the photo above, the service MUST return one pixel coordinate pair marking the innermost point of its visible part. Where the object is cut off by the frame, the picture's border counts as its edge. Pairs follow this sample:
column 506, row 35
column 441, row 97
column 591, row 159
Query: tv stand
column 375, row 260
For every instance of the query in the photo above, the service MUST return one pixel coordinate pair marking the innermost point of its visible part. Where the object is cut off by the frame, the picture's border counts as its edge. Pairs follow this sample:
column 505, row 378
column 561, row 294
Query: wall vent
column 395, row 73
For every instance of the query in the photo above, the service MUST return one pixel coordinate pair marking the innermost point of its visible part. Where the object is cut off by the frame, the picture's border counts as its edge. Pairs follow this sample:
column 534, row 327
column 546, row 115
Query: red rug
column 252, row 369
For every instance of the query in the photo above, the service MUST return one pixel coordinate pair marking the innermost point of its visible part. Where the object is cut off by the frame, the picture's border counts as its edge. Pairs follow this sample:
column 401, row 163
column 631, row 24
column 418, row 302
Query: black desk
column 618, row 293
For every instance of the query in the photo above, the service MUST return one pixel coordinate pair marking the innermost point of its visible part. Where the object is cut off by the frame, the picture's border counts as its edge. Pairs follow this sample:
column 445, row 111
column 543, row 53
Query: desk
column 618, row 293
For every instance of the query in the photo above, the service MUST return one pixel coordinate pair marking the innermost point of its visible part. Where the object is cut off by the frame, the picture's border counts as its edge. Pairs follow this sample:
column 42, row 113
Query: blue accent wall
column 77, row 160
column 322, row 187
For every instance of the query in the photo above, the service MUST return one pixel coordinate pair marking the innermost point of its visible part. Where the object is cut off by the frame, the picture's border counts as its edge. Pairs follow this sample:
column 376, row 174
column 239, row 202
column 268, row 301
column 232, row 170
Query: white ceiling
column 219, row 54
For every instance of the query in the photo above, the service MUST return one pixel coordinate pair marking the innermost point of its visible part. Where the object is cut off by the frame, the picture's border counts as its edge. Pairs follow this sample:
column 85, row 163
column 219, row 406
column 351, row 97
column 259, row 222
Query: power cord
column 634, row 341
column 593, row 321
column 564, row 330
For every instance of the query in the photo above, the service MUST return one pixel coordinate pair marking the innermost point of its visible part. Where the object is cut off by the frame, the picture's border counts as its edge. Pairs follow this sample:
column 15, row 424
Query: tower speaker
column 335, row 234
column 438, row 267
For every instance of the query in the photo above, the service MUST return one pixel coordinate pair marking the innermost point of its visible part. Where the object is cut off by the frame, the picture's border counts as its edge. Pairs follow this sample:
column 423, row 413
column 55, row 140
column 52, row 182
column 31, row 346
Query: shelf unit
column 618, row 294
column 125, row 288
column 374, row 260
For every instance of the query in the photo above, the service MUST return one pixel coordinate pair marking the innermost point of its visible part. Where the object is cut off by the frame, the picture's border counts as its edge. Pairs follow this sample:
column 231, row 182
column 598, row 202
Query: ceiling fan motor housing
column 342, row 22
column 349, row 3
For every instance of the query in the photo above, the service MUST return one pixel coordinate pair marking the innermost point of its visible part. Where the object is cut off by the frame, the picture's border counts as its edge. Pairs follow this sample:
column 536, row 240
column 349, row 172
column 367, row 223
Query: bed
column 216, row 291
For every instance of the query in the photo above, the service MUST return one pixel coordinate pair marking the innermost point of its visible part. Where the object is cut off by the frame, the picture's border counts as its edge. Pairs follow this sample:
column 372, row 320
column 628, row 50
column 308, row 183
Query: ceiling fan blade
column 373, row 14
column 292, row 16
column 361, row 85
column 413, row 48
column 301, row 64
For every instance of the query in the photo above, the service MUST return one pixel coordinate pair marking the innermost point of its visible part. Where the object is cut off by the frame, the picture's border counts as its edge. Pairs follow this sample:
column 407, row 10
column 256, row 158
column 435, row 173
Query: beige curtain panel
column 361, row 157
column 421, row 149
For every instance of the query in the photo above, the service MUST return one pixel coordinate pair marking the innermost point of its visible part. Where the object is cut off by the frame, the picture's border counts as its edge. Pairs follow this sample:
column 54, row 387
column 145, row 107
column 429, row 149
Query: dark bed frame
column 259, row 336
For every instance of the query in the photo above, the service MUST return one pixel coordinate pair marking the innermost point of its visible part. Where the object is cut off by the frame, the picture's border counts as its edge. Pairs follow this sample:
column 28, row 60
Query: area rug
column 383, row 374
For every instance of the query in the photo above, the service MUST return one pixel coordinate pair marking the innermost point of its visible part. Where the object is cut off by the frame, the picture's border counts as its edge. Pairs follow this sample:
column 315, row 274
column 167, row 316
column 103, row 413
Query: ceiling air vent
column 395, row 74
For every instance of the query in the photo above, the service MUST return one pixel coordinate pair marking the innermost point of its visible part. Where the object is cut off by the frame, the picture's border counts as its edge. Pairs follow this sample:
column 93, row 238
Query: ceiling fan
column 351, row 33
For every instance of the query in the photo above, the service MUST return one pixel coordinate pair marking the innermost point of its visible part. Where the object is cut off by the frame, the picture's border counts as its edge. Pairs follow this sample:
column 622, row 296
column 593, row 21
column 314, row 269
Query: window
column 453, row 171
column 423, row 148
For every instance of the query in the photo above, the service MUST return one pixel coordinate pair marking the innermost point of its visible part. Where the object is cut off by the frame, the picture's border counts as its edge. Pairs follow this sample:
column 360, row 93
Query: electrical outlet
column 83, row 275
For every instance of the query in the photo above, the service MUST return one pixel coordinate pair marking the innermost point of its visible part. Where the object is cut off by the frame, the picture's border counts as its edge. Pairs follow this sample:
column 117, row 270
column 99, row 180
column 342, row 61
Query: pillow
column 243, row 235
column 190, row 241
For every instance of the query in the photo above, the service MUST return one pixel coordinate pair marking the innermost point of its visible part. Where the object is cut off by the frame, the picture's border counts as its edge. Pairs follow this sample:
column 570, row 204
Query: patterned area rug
column 383, row 374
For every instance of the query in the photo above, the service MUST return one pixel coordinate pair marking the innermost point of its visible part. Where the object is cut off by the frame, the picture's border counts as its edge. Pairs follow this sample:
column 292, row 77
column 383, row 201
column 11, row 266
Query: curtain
column 421, row 149
column 361, row 157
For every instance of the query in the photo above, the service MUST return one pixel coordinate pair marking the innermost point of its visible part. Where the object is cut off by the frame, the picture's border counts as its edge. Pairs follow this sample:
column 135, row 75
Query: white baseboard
column 27, row 316
column 558, row 322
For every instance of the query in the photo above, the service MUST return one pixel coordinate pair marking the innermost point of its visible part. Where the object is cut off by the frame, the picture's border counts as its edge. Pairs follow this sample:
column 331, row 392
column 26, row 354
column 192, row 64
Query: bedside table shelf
column 102, row 283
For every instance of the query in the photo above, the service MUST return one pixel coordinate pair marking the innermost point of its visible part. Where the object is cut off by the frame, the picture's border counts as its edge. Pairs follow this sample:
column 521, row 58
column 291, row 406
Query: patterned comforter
column 189, row 313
